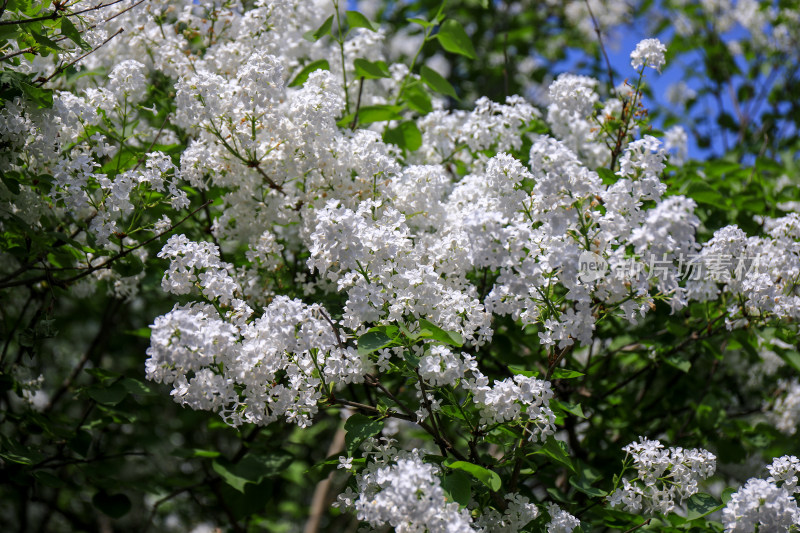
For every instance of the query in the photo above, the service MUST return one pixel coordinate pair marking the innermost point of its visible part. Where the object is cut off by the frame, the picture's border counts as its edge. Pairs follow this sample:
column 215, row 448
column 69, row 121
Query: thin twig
column 522, row 440
column 34, row 49
column 112, row 17
column 168, row 497
column 372, row 380
column 102, row 333
column 358, row 104
column 372, row 410
column 104, row 264
column 152, row 144
column 234, row 522
column 270, row 182
column 333, row 327
column 692, row 338
column 427, row 402
column 14, row 328
column 602, row 47
column 59, row 70
column 56, row 15
column 99, row 458
column 634, row 528
column 552, row 366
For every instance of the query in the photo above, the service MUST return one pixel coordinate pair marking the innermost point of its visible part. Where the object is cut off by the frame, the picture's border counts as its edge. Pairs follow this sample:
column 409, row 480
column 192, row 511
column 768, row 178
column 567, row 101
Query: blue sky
column 619, row 47
column 619, row 50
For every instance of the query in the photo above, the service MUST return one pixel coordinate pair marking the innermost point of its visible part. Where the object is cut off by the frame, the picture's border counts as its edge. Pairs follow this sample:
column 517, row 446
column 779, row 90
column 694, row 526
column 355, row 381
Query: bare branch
column 104, row 264
column 62, row 68
column 602, row 47
column 56, row 15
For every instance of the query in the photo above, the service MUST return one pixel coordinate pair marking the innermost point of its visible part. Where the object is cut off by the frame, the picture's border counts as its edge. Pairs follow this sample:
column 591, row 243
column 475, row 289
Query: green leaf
column 18, row 453
column 253, row 468
column 415, row 96
column 372, row 113
column 439, row 16
column 607, row 176
column 245, row 504
column 516, row 369
column 127, row 266
column 791, row 357
column 702, row 504
column 704, row 194
column 727, row 493
column 212, row 454
column 422, row 22
column 452, row 412
column 111, row 395
column 80, row 442
column 134, row 386
column 71, row 32
column 411, row 359
column 436, row 81
column 359, row 428
column 572, row 408
column 43, row 98
column 19, row 5
column 48, row 480
column 564, row 373
column 585, row 486
column 720, row 166
column 681, row 364
column 557, row 451
column 264, row 465
column 429, row 330
column 406, row 135
column 102, row 374
column 44, row 41
column 373, row 340
column 319, row 64
column 11, row 180
column 454, row 39
column 377, row 113
column 141, row 332
column 456, row 486
column 371, row 70
column 358, row 20
column 320, row 32
column 484, row 475
column 114, row 505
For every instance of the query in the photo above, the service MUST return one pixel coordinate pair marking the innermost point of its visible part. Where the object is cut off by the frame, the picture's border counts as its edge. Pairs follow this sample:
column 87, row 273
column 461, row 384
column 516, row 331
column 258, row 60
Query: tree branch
column 602, row 47
column 56, row 14
column 59, row 70
column 104, row 264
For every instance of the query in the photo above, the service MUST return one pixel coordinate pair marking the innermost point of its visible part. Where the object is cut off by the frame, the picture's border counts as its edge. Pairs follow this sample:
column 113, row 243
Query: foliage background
column 102, row 450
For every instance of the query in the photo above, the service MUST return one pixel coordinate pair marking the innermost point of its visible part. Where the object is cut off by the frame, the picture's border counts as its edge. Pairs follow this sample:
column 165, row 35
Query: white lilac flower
column 760, row 505
column 676, row 139
column 785, row 412
column 648, row 52
column 560, row 521
column 406, row 494
column 127, row 79
column 783, row 472
column 662, row 477
column 520, row 398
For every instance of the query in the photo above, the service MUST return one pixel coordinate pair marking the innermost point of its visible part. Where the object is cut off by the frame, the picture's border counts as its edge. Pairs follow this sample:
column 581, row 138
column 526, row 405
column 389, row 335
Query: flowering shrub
column 390, row 301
